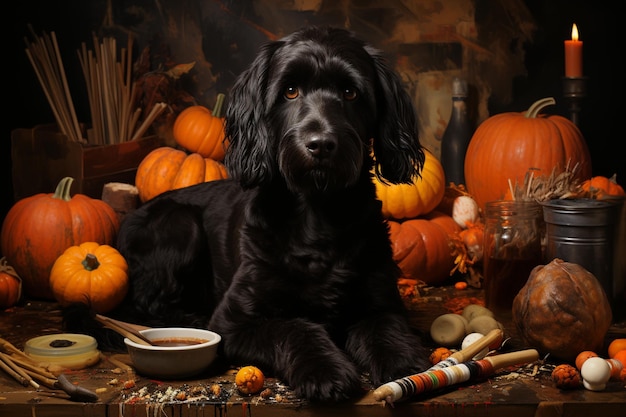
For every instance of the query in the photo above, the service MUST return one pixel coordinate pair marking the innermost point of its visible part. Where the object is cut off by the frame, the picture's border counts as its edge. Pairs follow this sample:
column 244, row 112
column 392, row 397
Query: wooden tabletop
column 525, row 390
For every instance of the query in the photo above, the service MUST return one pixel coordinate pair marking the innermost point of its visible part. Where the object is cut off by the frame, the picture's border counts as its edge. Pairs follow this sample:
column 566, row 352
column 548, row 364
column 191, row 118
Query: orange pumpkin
column 505, row 146
column 167, row 168
column 10, row 285
column 249, row 380
column 405, row 201
column 90, row 273
column 37, row 229
column 421, row 246
column 600, row 187
column 201, row 130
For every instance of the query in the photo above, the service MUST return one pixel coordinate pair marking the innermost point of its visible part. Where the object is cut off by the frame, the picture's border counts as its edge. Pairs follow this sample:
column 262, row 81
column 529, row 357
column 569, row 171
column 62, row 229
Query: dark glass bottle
column 457, row 135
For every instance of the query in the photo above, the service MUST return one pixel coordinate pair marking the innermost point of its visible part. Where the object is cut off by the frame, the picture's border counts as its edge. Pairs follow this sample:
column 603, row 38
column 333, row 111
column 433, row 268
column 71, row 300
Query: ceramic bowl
column 180, row 352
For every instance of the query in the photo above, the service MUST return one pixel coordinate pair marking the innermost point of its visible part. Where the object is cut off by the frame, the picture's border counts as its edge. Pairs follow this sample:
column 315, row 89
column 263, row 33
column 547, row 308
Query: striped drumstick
column 430, row 380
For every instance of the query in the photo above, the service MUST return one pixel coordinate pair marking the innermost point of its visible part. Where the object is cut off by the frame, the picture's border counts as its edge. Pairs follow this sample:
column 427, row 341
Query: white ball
column 469, row 340
column 595, row 372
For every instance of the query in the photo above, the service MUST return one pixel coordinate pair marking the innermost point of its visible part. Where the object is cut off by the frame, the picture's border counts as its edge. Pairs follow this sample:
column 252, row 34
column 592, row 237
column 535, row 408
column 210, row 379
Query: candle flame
column 574, row 32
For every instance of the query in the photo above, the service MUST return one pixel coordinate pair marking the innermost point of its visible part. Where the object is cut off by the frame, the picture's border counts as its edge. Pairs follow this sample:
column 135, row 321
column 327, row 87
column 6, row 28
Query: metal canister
column 584, row 231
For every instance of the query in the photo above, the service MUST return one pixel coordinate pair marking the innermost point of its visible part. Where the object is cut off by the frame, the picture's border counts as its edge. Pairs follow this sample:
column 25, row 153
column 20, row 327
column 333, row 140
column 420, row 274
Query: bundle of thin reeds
column 110, row 90
column 45, row 58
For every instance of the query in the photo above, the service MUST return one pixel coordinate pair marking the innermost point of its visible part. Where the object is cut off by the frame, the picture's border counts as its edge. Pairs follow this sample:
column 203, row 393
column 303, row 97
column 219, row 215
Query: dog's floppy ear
column 248, row 156
column 399, row 154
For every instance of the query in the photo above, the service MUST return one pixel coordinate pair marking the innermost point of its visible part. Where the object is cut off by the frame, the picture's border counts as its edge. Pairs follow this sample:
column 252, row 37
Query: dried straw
column 45, row 58
column 111, row 90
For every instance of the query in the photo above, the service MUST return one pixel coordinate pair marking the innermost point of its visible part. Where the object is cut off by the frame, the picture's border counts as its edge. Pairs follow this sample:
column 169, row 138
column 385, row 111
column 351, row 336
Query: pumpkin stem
column 538, row 105
column 90, row 262
column 62, row 191
column 6, row 268
column 219, row 103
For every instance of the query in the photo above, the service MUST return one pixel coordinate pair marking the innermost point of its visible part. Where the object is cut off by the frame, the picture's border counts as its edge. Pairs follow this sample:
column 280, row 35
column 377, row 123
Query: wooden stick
column 469, row 352
column 156, row 110
column 124, row 329
column 26, row 378
column 29, row 366
column 6, row 367
column 7, row 347
column 118, row 363
column 48, row 382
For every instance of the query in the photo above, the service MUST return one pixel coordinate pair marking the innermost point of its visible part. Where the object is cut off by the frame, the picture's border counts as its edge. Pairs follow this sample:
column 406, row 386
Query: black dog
column 290, row 259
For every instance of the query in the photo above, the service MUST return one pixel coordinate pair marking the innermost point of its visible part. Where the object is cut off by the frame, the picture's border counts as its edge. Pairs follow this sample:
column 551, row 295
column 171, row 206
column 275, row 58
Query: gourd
column 37, row 229
column 600, row 187
column 421, row 246
column 201, row 130
column 90, row 273
column 405, row 201
column 562, row 310
column 10, row 285
column 167, row 168
column 505, row 146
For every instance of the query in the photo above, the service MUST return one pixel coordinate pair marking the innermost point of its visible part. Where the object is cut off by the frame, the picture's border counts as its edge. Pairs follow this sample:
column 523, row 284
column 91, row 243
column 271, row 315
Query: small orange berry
column 439, row 354
column 460, row 285
column 249, row 380
column 615, row 346
column 566, row 377
column 583, row 356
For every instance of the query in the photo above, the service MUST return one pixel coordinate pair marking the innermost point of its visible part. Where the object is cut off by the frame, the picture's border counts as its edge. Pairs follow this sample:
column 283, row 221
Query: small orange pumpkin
column 37, row 229
column 406, row 201
column 10, row 285
column 167, row 168
column 421, row 246
column 505, row 146
column 600, row 187
column 249, row 380
column 90, row 273
column 201, row 130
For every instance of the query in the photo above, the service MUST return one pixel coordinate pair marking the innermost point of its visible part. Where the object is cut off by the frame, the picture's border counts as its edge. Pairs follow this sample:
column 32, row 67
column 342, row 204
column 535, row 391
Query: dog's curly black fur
column 290, row 259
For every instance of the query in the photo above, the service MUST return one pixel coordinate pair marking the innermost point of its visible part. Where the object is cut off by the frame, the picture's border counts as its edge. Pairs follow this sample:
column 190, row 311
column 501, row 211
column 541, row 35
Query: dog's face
column 322, row 112
column 308, row 111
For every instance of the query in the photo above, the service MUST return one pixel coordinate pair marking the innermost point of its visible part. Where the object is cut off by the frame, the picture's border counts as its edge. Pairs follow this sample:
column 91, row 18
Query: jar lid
column 60, row 345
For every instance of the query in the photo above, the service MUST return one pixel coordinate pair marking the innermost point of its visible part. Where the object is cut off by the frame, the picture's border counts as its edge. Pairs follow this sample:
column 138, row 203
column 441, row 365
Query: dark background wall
column 548, row 21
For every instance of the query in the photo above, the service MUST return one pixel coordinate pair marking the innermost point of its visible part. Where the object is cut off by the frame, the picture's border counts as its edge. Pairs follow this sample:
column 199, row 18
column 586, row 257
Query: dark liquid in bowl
column 178, row 341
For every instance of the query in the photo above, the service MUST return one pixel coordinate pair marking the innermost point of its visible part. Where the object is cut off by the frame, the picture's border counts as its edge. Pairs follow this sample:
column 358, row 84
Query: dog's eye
column 291, row 93
column 349, row 94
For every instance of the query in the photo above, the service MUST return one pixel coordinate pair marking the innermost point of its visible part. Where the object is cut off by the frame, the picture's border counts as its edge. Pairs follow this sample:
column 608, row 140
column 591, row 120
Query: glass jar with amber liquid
column 512, row 248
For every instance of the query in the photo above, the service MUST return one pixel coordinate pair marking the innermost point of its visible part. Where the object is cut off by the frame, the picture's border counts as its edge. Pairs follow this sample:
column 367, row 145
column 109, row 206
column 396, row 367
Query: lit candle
column 574, row 55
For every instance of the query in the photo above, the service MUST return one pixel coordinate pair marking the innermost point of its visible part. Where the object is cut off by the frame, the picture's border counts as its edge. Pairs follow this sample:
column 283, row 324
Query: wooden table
column 517, row 391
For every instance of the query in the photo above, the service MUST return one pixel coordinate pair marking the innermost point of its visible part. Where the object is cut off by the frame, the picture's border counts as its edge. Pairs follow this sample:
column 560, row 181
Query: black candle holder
column 574, row 91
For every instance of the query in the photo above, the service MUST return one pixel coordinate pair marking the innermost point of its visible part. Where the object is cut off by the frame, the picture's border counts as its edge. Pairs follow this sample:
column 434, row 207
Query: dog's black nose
column 321, row 147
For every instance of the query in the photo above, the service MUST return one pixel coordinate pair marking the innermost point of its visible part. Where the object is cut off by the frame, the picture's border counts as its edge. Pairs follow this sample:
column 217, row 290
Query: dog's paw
column 382, row 374
column 330, row 385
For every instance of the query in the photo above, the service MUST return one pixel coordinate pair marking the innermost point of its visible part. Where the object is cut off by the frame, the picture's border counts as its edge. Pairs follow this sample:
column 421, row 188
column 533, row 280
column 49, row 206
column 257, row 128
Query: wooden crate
column 42, row 156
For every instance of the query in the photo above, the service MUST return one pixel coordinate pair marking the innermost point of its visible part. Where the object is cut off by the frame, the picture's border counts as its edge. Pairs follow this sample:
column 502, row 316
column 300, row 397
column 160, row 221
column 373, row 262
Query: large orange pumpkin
column 167, row 168
column 90, row 273
column 421, row 246
column 505, row 146
column 37, row 229
column 201, row 130
column 405, row 201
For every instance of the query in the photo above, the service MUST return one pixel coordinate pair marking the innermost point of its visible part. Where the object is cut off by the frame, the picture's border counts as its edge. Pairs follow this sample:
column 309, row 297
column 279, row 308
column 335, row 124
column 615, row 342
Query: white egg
column 469, row 340
column 596, row 373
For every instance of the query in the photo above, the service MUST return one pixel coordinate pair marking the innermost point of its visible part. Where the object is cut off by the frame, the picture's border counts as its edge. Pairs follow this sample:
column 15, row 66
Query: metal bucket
column 585, row 232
